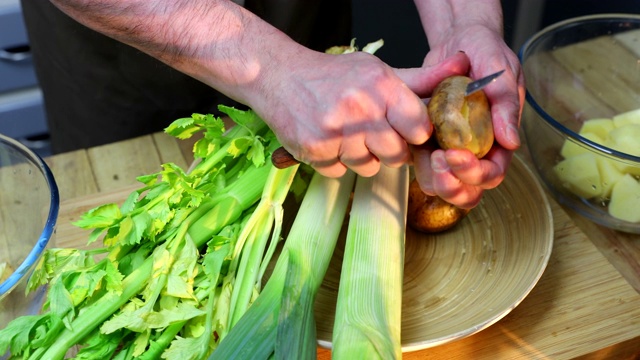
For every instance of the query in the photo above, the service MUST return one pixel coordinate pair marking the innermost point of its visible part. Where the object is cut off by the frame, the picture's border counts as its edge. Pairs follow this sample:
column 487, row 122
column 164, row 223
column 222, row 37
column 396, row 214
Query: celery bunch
column 182, row 258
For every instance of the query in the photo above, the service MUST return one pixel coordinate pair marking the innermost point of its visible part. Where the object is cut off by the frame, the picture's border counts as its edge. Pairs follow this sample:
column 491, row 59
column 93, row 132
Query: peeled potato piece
column 625, row 198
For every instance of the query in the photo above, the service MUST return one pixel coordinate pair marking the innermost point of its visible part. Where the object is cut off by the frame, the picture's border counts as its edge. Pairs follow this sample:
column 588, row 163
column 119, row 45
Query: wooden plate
column 460, row 282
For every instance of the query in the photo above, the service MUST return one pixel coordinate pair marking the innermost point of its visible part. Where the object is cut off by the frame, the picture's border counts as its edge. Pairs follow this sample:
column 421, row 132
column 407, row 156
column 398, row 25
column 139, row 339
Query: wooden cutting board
column 580, row 305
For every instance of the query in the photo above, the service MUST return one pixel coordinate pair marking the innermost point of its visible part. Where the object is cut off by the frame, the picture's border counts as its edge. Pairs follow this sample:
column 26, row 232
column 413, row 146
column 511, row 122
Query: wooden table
column 586, row 305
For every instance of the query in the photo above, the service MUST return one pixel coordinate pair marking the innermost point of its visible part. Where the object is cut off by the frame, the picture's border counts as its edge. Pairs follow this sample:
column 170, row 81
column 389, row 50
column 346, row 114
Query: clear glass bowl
column 580, row 69
column 29, row 204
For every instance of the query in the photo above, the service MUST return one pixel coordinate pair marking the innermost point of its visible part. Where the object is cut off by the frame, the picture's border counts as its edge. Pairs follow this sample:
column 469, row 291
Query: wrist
column 442, row 19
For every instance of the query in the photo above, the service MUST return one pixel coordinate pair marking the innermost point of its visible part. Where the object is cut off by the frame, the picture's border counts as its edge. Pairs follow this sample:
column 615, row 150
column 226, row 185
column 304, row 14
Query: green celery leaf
column 85, row 284
column 166, row 317
column 143, row 223
column 112, row 278
column 94, row 235
column 141, row 342
column 161, row 213
column 240, row 117
column 239, row 146
column 15, row 335
column 150, row 179
column 183, row 271
column 158, row 190
column 214, row 127
column 186, row 348
column 127, row 319
column 100, row 217
column 55, row 262
column 61, row 303
column 100, row 346
column 172, row 173
column 179, row 287
column 130, row 203
column 183, row 128
column 133, row 260
column 256, row 152
column 202, row 148
column 132, row 229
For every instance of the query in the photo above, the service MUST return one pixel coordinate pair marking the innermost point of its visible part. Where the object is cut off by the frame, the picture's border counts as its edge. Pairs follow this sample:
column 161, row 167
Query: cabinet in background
column 22, row 115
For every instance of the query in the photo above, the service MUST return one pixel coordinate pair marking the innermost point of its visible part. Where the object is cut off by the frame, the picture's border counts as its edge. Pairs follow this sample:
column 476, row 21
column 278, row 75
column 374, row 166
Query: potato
column 625, row 199
column 598, row 127
column 626, row 139
column 580, row 175
column 461, row 122
column 431, row 214
column 570, row 149
column 600, row 178
column 609, row 175
column 629, row 117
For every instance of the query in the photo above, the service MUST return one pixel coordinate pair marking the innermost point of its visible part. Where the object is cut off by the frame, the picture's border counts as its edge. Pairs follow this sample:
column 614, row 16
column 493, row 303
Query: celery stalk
column 368, row 311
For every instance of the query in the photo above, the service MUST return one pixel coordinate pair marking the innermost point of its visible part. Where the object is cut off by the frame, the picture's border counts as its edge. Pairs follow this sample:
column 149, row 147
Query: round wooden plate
column 459, row 282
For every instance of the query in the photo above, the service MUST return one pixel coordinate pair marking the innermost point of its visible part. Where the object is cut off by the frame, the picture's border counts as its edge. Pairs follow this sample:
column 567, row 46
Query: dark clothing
column 98, row 90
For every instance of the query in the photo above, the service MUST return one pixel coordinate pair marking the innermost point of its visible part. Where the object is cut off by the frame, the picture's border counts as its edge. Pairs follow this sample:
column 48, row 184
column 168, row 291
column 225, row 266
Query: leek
column 280, row 321
column 368, row 311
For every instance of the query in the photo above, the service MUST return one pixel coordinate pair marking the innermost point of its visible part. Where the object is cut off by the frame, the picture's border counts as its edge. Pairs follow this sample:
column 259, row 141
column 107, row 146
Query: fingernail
column 439, row 163
column 513, row 135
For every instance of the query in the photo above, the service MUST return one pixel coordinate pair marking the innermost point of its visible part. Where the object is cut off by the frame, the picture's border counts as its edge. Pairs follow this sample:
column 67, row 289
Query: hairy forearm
column 215, row 41
column 440, row 18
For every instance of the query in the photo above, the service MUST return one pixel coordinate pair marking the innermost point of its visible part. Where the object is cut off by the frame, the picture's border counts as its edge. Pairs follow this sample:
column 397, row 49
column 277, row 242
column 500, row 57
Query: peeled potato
column 461, row 122
column 431, row 214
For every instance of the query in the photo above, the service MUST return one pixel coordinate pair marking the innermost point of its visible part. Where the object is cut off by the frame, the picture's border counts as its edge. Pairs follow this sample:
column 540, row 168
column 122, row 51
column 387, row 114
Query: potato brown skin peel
column 460, row 122
column 431, row 214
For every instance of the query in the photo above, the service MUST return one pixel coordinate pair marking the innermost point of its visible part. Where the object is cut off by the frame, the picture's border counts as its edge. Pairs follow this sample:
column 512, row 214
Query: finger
column 506, row 109
column 486, row 173
column 357, row 157
column 449, row 187
column 388, row 146
column 322, row 156
column 422, row 166
column 407, row 115
column 333, row 170
column 423, row 80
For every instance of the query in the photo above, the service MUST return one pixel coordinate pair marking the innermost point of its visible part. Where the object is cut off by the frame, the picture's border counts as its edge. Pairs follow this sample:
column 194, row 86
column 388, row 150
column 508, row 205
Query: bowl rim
column 575, row 137
column 52, row 216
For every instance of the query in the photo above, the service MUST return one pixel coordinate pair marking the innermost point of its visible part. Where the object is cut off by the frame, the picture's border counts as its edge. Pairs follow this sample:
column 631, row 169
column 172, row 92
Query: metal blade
column 481, row 83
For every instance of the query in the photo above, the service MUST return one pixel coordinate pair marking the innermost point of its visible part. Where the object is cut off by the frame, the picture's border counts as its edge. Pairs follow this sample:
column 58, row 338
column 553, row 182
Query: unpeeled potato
column 431, row 214
column 461, row 122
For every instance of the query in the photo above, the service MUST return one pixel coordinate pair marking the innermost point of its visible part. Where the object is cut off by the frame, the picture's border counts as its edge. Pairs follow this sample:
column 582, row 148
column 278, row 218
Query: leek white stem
column 368, row 312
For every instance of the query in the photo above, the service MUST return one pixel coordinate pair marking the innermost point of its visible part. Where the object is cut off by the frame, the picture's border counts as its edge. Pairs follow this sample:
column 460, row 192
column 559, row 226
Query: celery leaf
column 102, row 216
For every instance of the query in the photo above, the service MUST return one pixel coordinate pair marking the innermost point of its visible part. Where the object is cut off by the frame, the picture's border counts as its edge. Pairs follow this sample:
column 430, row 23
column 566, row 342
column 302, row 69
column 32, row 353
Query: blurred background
column 22, row 114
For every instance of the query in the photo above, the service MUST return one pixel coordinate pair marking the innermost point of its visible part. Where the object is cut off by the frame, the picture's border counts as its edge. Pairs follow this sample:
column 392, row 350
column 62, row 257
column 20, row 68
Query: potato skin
column 431, row 214
column 461, row 122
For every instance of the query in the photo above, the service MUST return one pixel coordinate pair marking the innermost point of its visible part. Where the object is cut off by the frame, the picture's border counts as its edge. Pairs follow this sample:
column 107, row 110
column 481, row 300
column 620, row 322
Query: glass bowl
column 29, row 205
column 583, row 88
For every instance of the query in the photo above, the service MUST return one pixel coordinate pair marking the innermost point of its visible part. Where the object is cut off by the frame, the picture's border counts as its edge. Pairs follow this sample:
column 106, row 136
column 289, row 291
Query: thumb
column 424, row 79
